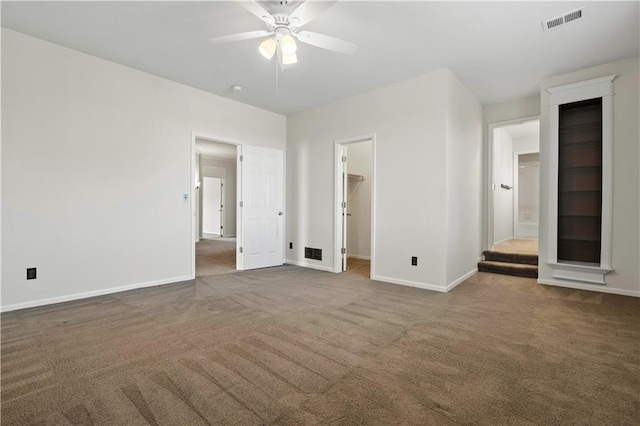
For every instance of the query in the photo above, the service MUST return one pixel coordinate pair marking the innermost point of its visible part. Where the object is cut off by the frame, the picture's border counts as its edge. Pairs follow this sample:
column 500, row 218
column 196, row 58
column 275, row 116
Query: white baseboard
column 357, row 256
column 590, row 287
column 88, row 294
column 425, row 286
column 502, row 241
column 309, row 265
column 461, row 279
column 407, row 283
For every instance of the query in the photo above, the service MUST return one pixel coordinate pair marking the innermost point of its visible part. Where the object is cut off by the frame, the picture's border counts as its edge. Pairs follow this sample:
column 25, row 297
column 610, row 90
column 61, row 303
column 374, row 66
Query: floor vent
column 312, row 253
column 554, row 22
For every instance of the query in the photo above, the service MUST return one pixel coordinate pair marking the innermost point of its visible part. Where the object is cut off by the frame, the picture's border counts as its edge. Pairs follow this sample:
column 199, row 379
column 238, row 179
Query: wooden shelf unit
column 580, row 181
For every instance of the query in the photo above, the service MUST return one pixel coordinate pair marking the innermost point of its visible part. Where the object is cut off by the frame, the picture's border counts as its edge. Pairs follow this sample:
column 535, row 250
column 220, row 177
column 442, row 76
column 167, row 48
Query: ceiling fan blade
column 326, row 42
column 240, row 36
column 259, row 11
column 308, row 11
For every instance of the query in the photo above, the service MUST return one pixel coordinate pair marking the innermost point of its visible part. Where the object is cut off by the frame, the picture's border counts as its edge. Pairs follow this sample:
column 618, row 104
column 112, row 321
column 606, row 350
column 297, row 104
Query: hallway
column 215, row 256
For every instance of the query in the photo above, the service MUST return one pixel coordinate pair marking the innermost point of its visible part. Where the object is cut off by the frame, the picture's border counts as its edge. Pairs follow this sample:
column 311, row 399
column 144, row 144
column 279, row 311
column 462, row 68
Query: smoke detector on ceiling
column 565, row 18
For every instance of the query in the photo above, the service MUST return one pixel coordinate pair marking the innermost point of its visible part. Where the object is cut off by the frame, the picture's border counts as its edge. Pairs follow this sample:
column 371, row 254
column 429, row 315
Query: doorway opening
column 514, row 186
column 215, row 201
column 355, row 206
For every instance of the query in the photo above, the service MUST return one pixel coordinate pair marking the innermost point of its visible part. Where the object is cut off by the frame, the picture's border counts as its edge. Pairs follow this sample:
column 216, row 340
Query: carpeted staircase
column 518, row 264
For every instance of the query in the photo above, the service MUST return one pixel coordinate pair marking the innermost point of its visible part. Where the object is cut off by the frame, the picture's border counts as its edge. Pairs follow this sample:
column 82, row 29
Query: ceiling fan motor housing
column 281, row 21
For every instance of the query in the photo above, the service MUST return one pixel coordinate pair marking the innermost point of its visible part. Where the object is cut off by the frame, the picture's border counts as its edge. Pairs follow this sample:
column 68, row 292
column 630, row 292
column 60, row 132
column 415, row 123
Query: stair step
column 497, row 256
column 508, row 268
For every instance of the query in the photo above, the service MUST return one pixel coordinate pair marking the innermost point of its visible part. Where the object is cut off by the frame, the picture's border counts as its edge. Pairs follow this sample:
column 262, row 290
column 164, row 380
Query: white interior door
column 211, row 205
column 262, row 235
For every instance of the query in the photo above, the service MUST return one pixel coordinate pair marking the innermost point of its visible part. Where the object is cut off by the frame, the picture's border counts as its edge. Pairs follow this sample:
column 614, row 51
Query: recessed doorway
column 215, row 199
column 513, row 199
column 355, row 206
column 515, row 181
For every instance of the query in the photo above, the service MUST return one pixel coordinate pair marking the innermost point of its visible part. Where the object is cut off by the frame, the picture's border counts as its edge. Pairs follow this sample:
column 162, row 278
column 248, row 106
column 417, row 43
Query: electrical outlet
column 414, row 261
column 31, row 273
column 290, row 246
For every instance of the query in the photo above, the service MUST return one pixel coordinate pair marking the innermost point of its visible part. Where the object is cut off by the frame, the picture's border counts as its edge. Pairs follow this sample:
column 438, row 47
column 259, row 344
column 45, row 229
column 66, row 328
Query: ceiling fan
column 283, row 27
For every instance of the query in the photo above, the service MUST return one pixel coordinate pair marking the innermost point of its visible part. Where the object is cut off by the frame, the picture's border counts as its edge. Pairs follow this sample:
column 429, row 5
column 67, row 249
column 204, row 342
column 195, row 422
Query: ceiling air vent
column 554, row 22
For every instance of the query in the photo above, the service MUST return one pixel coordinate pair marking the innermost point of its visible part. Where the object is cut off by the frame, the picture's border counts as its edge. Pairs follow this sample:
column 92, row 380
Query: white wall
column 228, row 171
column 409, row 120
column 463, row 182
column 510, row 110
column 498, row 113
column 96, row 157
column 625, row 278
column 502, row 174
column 359, row 157
column 530, row 144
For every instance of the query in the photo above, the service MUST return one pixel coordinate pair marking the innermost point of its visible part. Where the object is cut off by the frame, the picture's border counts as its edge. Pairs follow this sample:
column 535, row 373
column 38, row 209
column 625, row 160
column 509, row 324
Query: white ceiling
column 526, row 130
column 219, row 150
column 498, row 49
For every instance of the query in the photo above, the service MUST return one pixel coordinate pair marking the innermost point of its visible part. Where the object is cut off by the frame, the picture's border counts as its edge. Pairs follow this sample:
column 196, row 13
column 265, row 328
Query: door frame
column 516, row 189
column 489, row 186
column 192, row 193
column 339, row 145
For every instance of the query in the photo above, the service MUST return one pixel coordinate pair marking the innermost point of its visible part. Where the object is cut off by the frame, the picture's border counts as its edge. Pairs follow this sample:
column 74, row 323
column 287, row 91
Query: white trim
column 500, row 242
column 337, row 222
column 577, row 272
column 489, row 184
column 607, row 183
column 337, row 217
column 590, row 287
column 357, row 256
column 407, row 283
column 589, row 89
column 461, row 279
column 581, row 90
column 239, row 257
column 88, row 294
column 309, row 265
column 209, row 235
column 192, row 211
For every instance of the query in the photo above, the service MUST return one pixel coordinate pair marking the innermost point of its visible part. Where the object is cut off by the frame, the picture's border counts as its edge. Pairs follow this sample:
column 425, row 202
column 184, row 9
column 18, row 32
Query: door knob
column 280, row 213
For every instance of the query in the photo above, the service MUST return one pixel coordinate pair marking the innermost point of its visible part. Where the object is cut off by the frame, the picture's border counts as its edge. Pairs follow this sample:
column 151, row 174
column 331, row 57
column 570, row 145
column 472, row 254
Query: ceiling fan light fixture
column 288, row 45
column 289, row 59
column 268, row 48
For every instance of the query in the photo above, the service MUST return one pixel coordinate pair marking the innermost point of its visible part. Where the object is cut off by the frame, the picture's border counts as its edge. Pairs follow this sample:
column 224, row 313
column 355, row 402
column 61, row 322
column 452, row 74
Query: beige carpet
column 215, row 256
column 518, row 246
column 294, row 346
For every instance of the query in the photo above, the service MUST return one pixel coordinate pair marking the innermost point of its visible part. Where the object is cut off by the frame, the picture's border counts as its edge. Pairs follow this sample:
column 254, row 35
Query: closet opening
column 355, row 206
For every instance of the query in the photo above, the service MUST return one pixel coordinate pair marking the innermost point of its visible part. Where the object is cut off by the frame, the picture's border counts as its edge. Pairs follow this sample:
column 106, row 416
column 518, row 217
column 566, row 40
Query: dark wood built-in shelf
column 580, row 181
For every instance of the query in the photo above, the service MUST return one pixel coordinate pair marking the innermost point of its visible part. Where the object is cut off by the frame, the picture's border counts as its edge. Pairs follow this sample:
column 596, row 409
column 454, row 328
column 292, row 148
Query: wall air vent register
column 557, row 21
